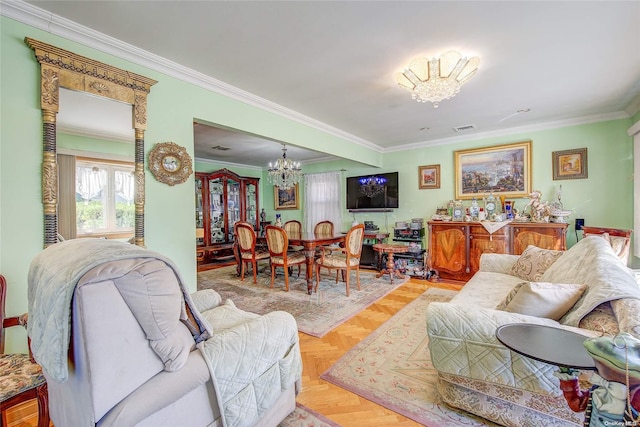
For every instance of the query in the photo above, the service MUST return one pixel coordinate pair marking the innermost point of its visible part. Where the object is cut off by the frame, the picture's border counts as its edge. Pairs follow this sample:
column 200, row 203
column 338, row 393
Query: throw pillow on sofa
column 542, row 299
column 533, row 262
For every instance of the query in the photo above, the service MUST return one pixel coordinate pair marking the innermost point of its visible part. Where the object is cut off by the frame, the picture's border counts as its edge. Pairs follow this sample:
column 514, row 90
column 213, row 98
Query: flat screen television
column 375, row 191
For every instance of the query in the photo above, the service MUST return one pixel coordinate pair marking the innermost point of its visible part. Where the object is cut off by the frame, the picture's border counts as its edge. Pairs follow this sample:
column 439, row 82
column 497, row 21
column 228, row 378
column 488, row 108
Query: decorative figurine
column 539, row 211
column 263, row 215
column 278, row 220
column 614, row 398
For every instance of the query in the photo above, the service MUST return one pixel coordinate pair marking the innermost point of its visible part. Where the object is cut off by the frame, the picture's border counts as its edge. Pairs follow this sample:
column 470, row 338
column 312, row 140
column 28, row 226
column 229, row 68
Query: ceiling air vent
column 466, row 128
column 220, row 148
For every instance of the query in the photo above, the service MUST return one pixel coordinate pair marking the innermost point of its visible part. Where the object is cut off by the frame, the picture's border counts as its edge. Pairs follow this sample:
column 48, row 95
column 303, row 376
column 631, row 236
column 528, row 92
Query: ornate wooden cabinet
column 455, row 247
column 222, row 199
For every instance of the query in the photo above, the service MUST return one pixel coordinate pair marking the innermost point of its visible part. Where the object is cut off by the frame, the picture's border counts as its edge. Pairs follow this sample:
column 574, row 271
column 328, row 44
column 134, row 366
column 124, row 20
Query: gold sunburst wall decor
column 170, row 163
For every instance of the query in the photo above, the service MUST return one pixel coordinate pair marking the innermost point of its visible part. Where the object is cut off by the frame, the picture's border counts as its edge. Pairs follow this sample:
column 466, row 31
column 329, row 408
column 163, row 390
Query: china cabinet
column 222, row 199
column 455, row 247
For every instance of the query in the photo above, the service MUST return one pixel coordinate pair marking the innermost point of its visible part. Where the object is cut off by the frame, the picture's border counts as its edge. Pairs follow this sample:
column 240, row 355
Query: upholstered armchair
column 21, row 378
column 343, row 259
column 122, row 342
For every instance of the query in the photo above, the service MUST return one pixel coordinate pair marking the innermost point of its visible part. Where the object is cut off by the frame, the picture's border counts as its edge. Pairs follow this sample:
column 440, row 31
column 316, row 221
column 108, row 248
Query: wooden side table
column 390, row 249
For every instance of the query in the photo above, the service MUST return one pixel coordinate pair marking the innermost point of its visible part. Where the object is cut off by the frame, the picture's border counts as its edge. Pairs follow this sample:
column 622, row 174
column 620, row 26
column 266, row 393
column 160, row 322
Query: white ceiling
column 331, row 63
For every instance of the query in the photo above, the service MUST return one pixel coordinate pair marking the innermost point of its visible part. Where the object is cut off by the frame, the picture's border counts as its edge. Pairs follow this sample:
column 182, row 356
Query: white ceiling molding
column 56, row 25
column 227, row 164
column 522, row 129
column 634, row 106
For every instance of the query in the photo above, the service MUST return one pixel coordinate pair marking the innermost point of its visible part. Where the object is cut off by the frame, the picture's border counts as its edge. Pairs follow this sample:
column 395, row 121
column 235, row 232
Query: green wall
column 172, row 107
column 605, row 198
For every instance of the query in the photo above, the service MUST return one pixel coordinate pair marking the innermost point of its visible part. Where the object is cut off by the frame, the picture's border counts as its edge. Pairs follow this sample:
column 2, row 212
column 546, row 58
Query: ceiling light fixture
column 371, row 186
column 284, row 173
column 438, row 78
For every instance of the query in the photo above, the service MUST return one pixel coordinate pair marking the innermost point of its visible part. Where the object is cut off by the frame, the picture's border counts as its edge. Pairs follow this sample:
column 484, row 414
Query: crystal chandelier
column 284, row 173
column 436, row 79
column 372, row 185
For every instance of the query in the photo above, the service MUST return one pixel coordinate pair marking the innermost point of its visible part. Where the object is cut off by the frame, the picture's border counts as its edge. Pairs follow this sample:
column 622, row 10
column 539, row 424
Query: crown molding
column 89, row 133
column 93, row 154
column 514, row 130
column 38, row 18
column 227, row 164
column 56, row 25
column 634, row 106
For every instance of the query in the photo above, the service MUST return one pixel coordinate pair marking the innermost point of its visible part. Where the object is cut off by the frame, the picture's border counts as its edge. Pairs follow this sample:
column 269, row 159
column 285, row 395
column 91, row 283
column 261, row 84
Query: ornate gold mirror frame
column 61, row 68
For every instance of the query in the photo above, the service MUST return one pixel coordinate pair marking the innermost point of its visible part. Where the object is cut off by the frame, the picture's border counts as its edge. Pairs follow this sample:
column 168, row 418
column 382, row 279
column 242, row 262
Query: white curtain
column 322, row 196
column 91, row 182
column 124, row 181
column 67, row 196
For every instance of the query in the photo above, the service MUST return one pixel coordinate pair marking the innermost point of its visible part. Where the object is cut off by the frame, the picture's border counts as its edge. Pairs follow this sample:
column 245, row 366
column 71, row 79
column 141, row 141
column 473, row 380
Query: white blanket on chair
column 52, row 279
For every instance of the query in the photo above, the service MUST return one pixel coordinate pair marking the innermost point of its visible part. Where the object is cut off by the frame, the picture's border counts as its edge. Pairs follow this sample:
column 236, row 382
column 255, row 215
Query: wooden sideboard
column 455, row 247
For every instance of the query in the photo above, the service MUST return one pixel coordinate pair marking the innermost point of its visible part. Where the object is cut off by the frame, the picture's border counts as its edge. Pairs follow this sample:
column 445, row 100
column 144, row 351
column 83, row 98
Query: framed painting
column 570, row 164
column 504, row 170
column 428, row 177
column 286, row 199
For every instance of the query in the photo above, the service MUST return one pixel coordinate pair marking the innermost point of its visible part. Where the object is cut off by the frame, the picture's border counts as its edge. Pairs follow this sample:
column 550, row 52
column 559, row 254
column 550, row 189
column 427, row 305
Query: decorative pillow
column 175, row 348
column 601, row 319
column 542, row 299
column 533, row 262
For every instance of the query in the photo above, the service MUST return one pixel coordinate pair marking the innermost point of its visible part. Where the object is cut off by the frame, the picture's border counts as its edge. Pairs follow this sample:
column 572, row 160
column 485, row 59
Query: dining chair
column 21, row 378
column 249, row 254
column 293, row 228
column 323, row 228
column 343, row 259
column 279, row 254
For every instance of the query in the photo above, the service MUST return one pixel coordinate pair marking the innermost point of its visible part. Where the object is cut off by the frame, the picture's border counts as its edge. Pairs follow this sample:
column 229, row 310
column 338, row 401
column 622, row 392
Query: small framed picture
column 570, row 164
column 286, row 199
column 428, row 177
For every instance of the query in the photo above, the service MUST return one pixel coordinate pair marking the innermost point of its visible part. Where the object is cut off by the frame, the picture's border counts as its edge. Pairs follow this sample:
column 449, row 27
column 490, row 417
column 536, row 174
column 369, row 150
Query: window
column 322, row 199
column 104, row 197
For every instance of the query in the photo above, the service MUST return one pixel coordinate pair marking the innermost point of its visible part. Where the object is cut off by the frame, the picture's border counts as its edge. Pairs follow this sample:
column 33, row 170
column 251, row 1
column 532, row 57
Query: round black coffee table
column 546, row 344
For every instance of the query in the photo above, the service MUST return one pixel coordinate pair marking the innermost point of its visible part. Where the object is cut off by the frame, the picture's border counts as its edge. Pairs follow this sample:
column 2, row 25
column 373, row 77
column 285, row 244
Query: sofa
column 122, row 342
column 478, row 374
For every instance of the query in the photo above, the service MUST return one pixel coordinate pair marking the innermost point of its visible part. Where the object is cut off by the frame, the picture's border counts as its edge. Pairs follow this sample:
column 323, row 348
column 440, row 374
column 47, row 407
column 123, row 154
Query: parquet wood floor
column 318, row 354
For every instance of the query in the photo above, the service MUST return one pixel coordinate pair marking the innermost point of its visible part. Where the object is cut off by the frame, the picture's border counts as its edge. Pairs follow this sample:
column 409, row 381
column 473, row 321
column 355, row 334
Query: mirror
column 61, row 68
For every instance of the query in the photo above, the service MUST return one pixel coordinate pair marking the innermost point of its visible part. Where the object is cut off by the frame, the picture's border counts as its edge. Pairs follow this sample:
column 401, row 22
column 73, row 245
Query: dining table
column 309, row 242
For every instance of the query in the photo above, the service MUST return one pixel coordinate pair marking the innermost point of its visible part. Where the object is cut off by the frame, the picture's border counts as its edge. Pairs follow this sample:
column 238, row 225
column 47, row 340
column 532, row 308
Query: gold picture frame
column 428, row 177
column 504, row 170
column 570, row 164
column 170, row 163
column 286, row 199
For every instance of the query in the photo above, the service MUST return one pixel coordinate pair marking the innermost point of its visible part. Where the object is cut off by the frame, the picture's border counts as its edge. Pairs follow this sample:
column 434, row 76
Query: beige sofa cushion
column 542, row 299
column 534, row 262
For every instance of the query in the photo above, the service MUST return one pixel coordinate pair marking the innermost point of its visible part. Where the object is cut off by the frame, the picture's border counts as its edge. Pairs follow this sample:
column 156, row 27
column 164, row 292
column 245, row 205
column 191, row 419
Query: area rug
column 392, row 368
column 305, row 417
column 315, row 314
